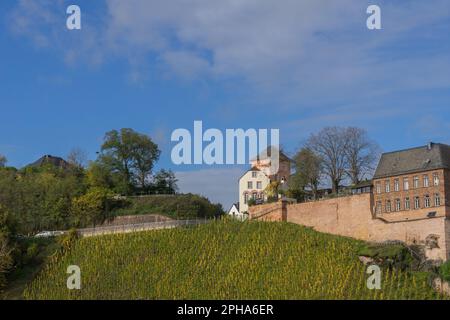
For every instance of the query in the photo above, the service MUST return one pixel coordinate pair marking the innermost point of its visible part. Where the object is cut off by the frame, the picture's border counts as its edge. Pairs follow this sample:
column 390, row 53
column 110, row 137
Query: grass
column 222, row 260
column 29, row 266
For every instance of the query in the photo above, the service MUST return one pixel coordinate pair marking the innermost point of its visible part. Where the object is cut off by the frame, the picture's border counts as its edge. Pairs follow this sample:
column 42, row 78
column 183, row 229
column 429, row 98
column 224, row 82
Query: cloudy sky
column 296, row 65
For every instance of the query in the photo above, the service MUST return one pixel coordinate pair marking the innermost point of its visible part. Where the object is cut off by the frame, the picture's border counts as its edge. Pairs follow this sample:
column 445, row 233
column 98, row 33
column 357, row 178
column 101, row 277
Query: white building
column 255, row 180
column 235, row 213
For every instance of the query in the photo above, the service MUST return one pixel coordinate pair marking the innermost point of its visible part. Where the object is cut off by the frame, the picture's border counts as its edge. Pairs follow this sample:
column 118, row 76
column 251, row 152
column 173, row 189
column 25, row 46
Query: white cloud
column 291, row 50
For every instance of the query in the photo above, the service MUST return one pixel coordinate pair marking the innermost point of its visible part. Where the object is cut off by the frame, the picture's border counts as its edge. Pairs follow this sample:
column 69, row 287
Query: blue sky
column 156, row 66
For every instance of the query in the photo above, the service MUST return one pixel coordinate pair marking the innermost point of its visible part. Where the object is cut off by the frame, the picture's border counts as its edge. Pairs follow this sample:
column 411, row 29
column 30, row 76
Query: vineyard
column 221, row 260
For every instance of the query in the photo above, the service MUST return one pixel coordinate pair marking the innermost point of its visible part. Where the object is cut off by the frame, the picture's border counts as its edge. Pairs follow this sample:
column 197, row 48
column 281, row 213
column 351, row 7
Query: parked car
column 47, row 234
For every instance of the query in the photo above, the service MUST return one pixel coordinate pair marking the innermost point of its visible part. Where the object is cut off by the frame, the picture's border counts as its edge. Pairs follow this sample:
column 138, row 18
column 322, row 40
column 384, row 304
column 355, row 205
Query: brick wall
column 352, row 216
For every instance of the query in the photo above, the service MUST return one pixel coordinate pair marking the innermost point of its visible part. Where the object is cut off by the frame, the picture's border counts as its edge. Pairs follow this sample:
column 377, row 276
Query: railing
column 126, row 228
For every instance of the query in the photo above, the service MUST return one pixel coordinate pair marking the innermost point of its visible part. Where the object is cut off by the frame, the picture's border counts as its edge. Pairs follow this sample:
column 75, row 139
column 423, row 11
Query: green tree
column 308, row 168
column 130, row 154
column 165, row 182
column 92, row 207
column 273, row 190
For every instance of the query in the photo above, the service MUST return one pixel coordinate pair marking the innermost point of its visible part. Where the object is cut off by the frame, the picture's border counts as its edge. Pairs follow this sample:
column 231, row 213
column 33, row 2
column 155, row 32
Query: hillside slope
column 221, row 260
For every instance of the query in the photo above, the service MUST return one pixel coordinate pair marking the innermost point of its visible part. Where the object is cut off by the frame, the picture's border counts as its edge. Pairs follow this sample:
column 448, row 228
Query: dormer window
column 254, row 174
column 436, row 179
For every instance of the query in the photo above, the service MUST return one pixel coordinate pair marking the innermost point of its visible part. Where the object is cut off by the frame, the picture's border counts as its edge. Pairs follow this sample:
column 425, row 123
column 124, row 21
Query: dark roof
column 430, row 157
column 363, row 184
column 48, row 159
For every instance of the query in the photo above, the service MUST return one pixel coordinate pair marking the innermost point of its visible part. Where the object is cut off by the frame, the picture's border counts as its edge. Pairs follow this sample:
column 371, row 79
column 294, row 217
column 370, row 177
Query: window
column 398, row 205
column 259, row 185
column 249, row 185
column 254, row 174
column 378, row 187
column 254, row 195
column 378, row 207
column 416, row 182
column 416, row 203
column 388, row 186
column 436, row 179
column 426, row 181
column 245, row 198
column 388, row 206
column 407, row 204
column 427, row 201
column 406, row 184
column 396, row 185
column 437, row 200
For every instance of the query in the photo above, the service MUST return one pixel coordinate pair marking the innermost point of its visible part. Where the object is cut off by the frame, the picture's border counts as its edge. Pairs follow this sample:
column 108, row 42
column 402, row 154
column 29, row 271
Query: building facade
column 408, row 200
column 253, row 183
column 413, row 183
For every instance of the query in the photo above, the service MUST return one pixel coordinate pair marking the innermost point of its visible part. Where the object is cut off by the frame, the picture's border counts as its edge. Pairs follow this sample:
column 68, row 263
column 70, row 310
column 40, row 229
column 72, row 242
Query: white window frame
column 437, row 200
column 249, row 184
column 407, row 203
column 396, row 185
column 388, row 206
column 426, row 181
column 387, row 186
column 406, row 184
column 416, row 203
column 398, row 205
column 416, row 182
column 427, row 200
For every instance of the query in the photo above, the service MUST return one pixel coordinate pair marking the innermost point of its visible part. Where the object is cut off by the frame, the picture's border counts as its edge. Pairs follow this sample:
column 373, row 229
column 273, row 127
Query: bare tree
column 361, row 153
column 308, row 170
column 3, row 161
column 330, row 145
column 77, row 157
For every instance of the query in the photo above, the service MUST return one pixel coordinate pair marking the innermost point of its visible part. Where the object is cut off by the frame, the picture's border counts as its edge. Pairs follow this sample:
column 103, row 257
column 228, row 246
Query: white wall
column 243, row 182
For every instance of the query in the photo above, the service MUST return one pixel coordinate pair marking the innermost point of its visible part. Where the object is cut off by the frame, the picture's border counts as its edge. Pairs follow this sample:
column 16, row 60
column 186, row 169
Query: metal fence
column 127, row 228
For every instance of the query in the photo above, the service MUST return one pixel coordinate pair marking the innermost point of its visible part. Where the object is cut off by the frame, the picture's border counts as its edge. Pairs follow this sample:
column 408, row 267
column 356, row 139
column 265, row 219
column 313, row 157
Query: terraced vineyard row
column 221, row 260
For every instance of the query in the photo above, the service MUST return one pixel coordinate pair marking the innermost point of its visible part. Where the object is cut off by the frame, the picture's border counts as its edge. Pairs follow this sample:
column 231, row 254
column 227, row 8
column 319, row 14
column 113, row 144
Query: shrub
column 444, row 271
column 66, row 241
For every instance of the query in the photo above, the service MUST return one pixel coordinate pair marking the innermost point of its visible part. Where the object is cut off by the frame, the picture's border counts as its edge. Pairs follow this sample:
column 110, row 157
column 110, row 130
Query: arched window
column 427, row 201
column 437, row 200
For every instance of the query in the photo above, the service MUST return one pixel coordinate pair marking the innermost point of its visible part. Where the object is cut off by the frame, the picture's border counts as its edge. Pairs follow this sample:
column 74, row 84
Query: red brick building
column 414, row 183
